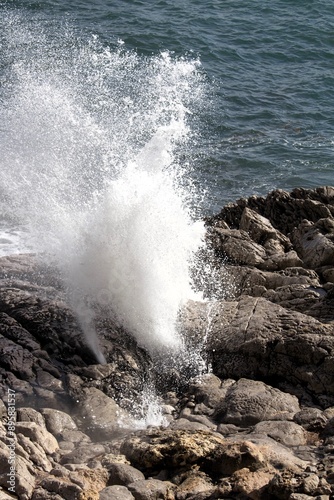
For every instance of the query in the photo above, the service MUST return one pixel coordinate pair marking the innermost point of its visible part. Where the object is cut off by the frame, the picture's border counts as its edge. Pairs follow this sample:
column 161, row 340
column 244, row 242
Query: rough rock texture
column 248, row 402
column 259, row 425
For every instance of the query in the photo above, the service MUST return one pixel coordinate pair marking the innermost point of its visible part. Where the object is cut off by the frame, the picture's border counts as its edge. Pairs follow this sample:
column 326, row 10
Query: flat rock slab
column 253, row 338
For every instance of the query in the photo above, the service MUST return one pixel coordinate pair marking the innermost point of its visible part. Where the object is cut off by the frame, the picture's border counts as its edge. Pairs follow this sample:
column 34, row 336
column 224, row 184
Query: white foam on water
column 90, row 165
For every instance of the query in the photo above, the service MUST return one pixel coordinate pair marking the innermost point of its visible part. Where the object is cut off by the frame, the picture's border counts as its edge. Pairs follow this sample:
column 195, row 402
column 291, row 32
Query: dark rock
column 312, row 419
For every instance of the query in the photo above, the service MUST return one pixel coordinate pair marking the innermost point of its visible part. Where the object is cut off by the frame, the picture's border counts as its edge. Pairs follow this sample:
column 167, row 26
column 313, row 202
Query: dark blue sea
column 253, row 79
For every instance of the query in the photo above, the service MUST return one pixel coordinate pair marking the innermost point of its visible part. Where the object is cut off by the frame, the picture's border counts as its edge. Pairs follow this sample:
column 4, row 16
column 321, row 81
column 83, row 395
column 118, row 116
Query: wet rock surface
column 259, row 425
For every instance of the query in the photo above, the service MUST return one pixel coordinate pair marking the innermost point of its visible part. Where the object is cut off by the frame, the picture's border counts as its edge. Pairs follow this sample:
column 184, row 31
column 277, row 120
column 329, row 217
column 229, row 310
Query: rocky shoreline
column 259, row 425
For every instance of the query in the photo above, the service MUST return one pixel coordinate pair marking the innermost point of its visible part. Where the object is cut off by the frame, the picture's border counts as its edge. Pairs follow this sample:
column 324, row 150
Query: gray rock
column 30, row 415
column 186, row 424
column 152, row 489
column 102, row 416
column 287, row 433
column 314, row 242
column 311, row 484
column 209, row 389
column 260, row 228
column 124, row 474
column 57, row 422
column 24, row 479
column 76, row 437
column 253, row 338
column 238, row 247
column 194, row 485
column 202, row 419
column 116, row 493
column 248, row 402
column 82, row 454
column 65, row 489
column 38, row 434
column 34, row 452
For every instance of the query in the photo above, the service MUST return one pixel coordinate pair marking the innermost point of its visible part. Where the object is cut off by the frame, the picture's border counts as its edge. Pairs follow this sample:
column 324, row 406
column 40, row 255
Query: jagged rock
column 314, row 242
column 34, row 452
column 251, row 484
column 260, row 229
column 232, row 456
column 41, row 343
column 92, row 481
column 238, row 247
column 169, row 448
column 21, row 477
column 38, row 434
column 273, row 326
column 247, row 278
column 285, row 211
column 300, row 298
column 193, row 485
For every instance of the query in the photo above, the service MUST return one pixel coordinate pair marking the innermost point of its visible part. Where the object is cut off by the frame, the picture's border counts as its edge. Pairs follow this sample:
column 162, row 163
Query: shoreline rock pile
column 259, row 426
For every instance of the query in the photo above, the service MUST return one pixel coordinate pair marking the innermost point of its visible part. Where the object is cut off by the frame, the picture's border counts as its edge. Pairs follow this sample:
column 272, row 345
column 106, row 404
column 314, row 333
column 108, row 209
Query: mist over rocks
column 258, row 425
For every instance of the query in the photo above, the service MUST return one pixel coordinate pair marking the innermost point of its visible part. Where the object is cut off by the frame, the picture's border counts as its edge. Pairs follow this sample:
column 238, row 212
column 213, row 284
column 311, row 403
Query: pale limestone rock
column 38, row 434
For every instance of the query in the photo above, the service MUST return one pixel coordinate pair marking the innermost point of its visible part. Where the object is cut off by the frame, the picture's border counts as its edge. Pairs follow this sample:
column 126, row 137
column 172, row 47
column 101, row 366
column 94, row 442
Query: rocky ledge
column 258, row 425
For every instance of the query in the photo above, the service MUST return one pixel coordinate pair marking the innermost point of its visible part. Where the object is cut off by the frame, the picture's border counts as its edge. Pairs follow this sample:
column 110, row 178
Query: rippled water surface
column 268, row 117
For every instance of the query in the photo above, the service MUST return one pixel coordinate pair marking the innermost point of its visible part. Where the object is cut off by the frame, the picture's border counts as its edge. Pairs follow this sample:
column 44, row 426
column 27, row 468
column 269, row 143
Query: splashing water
column 91, row 138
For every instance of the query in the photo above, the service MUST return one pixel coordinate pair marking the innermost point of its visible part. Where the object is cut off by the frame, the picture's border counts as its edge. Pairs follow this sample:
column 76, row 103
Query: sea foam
column 91, row 165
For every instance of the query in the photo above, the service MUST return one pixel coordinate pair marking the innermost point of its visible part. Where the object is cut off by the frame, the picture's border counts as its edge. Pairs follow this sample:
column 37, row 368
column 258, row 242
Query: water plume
column 91, row 143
